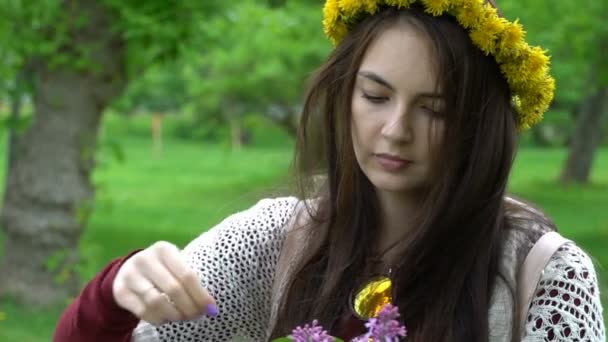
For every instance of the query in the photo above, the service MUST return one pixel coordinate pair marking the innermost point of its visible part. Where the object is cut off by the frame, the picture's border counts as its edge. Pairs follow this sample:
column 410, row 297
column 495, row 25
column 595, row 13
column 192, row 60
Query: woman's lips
column 392, row 163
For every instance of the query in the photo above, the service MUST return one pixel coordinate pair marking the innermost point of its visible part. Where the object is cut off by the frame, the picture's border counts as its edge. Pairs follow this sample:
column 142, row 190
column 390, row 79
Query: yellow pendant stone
column 372, row 297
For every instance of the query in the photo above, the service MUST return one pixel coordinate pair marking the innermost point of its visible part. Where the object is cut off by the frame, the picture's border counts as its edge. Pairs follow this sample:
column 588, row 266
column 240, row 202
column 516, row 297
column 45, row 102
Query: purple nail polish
column 212, row 310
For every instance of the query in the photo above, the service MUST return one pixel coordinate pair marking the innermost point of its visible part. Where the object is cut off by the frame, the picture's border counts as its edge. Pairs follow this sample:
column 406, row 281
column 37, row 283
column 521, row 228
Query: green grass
column 193, row 186
column 178, row 195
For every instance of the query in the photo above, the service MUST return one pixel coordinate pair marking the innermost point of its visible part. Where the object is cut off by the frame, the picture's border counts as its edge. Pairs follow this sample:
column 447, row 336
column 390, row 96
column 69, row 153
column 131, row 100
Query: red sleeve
column 94, row 315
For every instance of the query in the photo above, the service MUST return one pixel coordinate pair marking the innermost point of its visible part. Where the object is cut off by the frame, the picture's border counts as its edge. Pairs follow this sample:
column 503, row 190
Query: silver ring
column 144, row 294
column 166, row 297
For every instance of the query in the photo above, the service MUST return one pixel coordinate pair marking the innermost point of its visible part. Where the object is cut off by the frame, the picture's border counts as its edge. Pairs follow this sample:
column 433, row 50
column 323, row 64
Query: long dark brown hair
column 447, row 265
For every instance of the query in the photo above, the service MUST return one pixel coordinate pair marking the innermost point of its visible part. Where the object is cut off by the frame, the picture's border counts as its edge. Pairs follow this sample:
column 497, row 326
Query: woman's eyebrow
column 433, row 96
column 376, row 78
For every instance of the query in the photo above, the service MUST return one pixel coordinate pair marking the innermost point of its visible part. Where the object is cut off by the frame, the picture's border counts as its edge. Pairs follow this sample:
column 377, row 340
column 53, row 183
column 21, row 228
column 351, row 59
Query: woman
column 406, row 143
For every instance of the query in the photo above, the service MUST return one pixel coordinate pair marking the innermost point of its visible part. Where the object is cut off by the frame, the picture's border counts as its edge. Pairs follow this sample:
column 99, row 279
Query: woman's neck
column 397, row 212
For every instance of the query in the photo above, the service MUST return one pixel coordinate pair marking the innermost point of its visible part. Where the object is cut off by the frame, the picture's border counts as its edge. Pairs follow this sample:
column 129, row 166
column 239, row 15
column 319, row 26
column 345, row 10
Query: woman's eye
column 374, row 99
column 431, row 110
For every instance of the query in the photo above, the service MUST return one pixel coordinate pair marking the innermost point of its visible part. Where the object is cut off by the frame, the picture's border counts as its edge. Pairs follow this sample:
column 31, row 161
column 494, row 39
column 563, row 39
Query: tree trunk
column 157, row 133
column 236, row 134
column 23, row 85
column 15, row 115
column 49, row 195
column 587, row 138
column 233, row 113
column 285, row 116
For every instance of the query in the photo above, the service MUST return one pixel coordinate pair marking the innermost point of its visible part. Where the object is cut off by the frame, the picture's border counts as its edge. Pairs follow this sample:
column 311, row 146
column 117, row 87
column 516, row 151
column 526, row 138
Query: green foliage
column 572, row 31
column 159, row 30
column 273, row 60
column 17, row 124
column 256, row 56
column 219, row 60
column 153, row 31
column 54, row 261
column 161, row 89
column 84, row 211
column 27, row 29
column 59, row 266
column 233, row 70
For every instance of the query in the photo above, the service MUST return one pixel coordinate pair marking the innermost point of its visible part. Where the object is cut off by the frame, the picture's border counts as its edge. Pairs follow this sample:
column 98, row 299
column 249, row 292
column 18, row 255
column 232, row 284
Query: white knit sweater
column 237, row 260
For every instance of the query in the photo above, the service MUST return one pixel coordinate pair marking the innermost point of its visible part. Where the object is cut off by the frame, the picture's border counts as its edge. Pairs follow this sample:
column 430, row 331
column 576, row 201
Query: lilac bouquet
column 383, row 328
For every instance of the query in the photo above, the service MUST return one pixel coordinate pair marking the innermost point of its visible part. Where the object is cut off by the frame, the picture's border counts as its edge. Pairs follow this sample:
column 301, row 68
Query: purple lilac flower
column 385, row 327
column 312, row 333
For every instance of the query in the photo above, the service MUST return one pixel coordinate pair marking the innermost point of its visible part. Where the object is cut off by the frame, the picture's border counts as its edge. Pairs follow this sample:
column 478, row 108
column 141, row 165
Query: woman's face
column 397, row 111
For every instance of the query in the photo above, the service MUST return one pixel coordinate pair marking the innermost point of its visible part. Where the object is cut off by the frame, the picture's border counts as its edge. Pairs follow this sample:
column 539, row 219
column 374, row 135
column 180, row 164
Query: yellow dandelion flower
column 349, row 8
column 508, row 54
column 469, row 15
column 513, row 75
column 341, row 31
column 484, row 40
column 534, row 114
column 516, row 101
column 532, row 72
column 545, row 89
column 538, row 59
column 436, row 7
column 523, row 126
column 548, row 84
column 526, row 69
column 512, row 35
column 337, row 32
column 329, row 27
column 486, row 35
column 400, row 3
column 532, row 108
column 489, row 10
column 331, row 14
column 497, row 25
column 371, row 6
column 524, row 86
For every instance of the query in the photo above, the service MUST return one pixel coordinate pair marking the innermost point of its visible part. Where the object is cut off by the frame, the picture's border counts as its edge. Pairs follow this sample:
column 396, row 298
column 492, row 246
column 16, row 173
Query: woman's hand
column 157, row 286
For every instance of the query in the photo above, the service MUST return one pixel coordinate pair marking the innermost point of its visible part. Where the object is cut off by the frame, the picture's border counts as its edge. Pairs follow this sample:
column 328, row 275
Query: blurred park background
column 127, row 122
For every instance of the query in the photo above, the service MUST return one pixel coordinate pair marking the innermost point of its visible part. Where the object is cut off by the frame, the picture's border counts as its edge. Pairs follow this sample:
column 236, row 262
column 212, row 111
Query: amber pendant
column 372, row 297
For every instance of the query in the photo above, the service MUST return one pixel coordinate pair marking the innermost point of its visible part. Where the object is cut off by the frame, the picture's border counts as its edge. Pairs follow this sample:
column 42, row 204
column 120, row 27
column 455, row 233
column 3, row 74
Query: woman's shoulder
column 571, row 263
column 268, row 209
column 566, row 299
column 525, row 223
column 266, row 220
column 522, row 212
column 266, row 214
column 566, row 302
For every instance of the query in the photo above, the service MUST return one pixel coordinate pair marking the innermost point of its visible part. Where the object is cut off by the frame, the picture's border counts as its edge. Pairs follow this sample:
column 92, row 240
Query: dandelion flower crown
column 525, row 68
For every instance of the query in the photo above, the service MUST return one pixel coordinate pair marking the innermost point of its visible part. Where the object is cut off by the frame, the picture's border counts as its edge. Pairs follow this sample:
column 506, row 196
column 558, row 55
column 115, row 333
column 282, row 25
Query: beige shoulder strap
column 532, row 270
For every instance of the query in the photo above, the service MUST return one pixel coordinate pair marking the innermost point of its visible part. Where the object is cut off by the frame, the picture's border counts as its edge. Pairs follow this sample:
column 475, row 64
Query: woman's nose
column 398, row 126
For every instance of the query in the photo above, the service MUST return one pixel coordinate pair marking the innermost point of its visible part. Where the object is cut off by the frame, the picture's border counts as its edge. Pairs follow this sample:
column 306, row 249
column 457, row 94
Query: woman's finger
column 158, row 307
column 196, row 294
column 137, row 294
column 164, row 280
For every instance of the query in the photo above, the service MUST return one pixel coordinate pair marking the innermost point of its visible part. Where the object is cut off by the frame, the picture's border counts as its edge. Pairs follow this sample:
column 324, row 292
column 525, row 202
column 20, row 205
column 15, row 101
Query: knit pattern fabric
column 236, row 262
column 566, row 306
